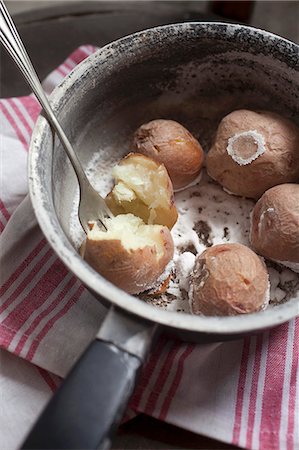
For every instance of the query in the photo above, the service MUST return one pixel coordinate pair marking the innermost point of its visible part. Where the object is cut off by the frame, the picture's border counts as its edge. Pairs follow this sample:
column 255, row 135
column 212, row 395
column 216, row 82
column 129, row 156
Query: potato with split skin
column 168, row 142
column 130, row 254
column 143, row 188
column 274, row 231
column 228, row 279
column 254, row 151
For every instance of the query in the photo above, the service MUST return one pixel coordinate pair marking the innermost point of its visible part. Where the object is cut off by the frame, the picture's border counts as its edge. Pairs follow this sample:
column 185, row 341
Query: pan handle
column 89, row 404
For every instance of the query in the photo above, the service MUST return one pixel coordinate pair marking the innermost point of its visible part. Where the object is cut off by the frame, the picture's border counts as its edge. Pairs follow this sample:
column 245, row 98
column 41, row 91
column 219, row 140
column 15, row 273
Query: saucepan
column 194, row 73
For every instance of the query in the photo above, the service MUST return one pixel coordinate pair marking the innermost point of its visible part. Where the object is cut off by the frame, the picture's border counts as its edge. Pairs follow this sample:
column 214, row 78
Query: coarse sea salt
column 252, row 137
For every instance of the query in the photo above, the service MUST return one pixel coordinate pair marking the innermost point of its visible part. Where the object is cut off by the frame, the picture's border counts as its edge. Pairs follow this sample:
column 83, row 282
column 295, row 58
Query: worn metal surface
column 51, row 33
column 127, row 334
column 125, row 83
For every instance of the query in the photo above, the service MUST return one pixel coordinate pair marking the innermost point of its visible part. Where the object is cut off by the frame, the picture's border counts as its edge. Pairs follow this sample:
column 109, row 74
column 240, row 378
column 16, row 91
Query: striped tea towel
column 244, row 392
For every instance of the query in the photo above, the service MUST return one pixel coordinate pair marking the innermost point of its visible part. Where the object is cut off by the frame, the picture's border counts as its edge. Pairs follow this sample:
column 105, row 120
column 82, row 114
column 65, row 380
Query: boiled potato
column 143, row 188
column 130, row 254
column 168, row 142
column 275, row 225
column 228, row 279
column 254, row 151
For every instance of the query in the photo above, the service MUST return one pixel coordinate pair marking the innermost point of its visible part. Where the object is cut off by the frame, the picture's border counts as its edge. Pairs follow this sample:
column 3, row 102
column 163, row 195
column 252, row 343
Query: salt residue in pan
column 209, row 216
column 98, row 171
column 284, row 283
column 291, row 265
column 267, row 295
column 240, row 138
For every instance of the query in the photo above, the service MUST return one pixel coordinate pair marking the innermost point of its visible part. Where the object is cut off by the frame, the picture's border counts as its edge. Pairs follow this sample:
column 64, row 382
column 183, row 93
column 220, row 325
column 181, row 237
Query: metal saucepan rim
column 61, row 245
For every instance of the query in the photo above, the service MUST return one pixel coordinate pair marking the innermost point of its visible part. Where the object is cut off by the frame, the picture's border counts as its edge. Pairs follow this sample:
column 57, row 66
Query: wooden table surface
column 50, row 34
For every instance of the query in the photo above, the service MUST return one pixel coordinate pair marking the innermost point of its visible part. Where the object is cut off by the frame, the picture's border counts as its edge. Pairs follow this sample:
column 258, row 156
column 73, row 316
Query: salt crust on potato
column 168, row 142
column 228, row 279
column 254, row 151
column 130, row 254
column 143, row 188
column 275, row 225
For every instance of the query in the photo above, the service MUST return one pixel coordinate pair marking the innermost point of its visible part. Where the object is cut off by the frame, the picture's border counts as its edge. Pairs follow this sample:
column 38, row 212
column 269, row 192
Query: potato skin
column 228, row 279
column 134, row 271
column 275, row 224
column 278, row 164
column 168, row 142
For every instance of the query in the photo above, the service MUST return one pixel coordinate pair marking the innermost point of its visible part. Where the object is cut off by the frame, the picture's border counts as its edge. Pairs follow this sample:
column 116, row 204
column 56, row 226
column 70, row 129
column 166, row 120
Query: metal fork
column 92, row 206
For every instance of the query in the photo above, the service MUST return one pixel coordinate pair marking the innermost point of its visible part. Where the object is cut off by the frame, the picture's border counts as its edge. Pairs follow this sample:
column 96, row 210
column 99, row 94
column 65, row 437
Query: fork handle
column 11, row 40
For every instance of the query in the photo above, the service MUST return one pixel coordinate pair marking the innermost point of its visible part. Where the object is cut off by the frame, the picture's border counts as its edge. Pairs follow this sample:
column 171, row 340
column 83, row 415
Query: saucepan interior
column 194, row 73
